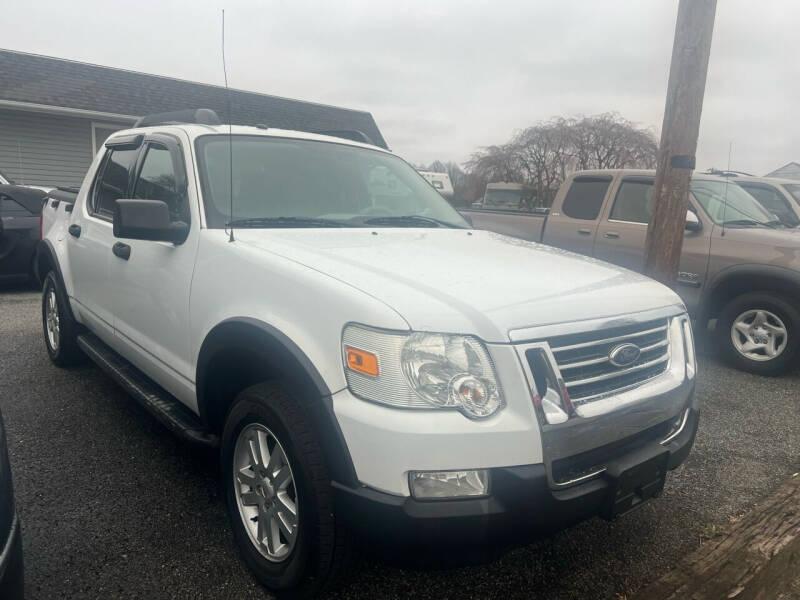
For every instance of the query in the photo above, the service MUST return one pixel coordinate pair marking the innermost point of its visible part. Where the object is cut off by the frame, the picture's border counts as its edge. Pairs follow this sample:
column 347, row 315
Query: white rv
column 441, row 183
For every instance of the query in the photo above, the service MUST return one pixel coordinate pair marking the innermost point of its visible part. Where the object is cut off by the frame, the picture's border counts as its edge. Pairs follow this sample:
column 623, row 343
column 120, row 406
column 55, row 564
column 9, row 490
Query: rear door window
column 634, row 202
column 585, row 197
column 113, row 181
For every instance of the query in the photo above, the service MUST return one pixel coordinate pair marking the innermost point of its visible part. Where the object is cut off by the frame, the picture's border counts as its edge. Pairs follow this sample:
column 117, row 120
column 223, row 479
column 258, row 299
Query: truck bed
column 525, row 225
column 58, row 199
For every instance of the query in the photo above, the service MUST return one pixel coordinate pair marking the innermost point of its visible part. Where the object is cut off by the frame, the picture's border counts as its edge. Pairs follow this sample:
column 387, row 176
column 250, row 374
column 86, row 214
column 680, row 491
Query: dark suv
column 11, row 578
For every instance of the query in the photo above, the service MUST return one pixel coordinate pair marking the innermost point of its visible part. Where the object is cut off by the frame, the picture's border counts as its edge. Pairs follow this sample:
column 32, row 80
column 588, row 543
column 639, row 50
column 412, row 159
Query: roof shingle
column 64, row 83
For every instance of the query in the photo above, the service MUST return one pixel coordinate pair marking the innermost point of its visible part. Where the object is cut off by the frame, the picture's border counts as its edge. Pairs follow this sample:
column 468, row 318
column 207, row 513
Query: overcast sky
column 443, row 78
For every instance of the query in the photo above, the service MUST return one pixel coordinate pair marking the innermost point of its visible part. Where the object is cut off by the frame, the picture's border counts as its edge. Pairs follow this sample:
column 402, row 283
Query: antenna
column 230, row 127
column 725, row 199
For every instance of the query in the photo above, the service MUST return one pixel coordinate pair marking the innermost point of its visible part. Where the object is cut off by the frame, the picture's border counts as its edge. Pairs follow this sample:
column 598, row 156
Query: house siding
column 42, row 149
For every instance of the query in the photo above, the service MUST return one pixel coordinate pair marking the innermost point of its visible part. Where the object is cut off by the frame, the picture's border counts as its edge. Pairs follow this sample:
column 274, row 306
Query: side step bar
column 161, row 404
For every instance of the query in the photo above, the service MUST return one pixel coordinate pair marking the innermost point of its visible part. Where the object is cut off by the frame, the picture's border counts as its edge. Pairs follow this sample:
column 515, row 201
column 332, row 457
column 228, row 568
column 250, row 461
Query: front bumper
column 11, row 565
column 522, row 506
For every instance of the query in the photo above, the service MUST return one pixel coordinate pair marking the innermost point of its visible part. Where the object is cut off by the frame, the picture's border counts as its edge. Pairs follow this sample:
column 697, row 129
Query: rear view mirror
column 147, row 220
column 692, row 222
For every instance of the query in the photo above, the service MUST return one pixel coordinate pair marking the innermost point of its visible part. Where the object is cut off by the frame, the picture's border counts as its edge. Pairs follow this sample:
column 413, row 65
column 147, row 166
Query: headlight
column 688, row 347
column 421, row 370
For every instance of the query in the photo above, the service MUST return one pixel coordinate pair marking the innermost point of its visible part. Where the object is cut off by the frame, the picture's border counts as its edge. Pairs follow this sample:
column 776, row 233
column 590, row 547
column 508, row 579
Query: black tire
column 65, row 352
column 766, row 301
column 323, row 546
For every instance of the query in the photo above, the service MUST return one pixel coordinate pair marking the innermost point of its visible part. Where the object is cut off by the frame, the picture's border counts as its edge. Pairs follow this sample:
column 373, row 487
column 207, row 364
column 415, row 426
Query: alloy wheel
column 52, row 322
column 265, row 492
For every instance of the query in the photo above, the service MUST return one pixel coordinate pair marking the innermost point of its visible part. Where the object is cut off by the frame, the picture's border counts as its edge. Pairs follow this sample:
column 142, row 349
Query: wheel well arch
column 756, row 278
column 44, row 261
column 241, row 352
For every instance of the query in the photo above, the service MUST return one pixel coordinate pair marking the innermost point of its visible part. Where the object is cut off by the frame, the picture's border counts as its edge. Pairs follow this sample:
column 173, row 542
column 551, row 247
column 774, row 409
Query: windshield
column 794, row 190
column 280, row 182
column 725, row 201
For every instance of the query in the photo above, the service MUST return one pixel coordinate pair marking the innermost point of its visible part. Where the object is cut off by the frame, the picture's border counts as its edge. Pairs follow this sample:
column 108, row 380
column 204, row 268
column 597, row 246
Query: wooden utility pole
column 687, row 83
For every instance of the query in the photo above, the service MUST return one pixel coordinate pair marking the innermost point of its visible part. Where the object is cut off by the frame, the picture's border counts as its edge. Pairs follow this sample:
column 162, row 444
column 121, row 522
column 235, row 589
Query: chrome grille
column 586, row 367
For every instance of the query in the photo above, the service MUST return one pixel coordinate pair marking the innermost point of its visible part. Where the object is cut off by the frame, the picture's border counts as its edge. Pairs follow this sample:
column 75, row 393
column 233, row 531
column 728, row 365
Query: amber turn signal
column 362, row 361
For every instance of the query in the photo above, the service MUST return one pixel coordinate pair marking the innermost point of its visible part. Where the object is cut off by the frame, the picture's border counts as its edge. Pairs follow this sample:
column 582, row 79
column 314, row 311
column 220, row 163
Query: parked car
column 781, row 197
column 11, row 562
column 4, row 180
column 20, row 211
column 368, row 363
column 740, row 266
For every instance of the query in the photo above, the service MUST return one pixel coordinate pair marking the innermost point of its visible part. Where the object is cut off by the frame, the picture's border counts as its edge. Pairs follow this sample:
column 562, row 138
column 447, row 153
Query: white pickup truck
column 368, row 363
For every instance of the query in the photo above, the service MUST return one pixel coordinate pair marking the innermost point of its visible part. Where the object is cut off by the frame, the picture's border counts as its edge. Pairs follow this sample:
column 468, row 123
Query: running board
column 161, row 404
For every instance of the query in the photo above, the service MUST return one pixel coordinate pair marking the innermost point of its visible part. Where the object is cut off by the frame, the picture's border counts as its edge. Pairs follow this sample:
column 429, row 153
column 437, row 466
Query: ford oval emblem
column 624, row 355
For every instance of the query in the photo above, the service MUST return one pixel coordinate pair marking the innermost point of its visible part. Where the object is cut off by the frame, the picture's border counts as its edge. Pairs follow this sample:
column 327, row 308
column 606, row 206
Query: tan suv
column 781, row 197
column 740, row 265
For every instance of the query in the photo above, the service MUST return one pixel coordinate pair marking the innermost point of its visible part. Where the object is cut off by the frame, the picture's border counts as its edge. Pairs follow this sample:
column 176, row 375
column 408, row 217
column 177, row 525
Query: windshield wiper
column 269, row 222
column 751, row 223
column 410, row 221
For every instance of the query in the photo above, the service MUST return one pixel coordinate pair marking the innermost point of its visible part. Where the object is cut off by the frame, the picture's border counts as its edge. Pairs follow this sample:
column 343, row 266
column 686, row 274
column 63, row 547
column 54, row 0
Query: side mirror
column 692, row 222
column 147, row 220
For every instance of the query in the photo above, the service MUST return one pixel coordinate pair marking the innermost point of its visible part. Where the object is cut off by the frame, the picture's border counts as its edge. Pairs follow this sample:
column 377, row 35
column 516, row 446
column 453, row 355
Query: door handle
column 121, row 250
column 74, row 230
column 585, row 231
column 611, row 234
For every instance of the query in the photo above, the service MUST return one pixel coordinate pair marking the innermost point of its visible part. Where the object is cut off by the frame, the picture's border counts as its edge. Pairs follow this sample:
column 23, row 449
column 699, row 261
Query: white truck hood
column 461, row 281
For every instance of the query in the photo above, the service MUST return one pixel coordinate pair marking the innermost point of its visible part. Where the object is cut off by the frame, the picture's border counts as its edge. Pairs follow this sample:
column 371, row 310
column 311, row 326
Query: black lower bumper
column 11, row 565
column 522, row 505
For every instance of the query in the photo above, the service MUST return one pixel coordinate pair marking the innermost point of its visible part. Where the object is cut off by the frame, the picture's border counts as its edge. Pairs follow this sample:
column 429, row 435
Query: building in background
column 56, row 113
column 788, row 171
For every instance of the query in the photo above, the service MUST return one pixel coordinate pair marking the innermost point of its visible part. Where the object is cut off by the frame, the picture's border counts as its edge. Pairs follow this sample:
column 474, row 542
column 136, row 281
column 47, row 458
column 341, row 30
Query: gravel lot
column 114, row 506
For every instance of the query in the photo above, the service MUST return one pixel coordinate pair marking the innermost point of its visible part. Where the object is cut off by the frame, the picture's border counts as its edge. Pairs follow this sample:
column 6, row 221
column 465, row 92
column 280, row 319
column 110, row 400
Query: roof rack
column 348, row 134
column 199, row 116
column 207, row 116
column 726, row 173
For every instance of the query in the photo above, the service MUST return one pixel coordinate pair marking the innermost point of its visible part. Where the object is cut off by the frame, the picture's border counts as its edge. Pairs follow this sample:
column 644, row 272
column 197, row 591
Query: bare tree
column 496, row 163
column 542, row 155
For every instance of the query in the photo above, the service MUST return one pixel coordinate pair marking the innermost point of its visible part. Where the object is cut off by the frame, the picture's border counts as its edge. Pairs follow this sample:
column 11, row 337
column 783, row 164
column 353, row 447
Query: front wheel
column 277, row 492
column 759, row 332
